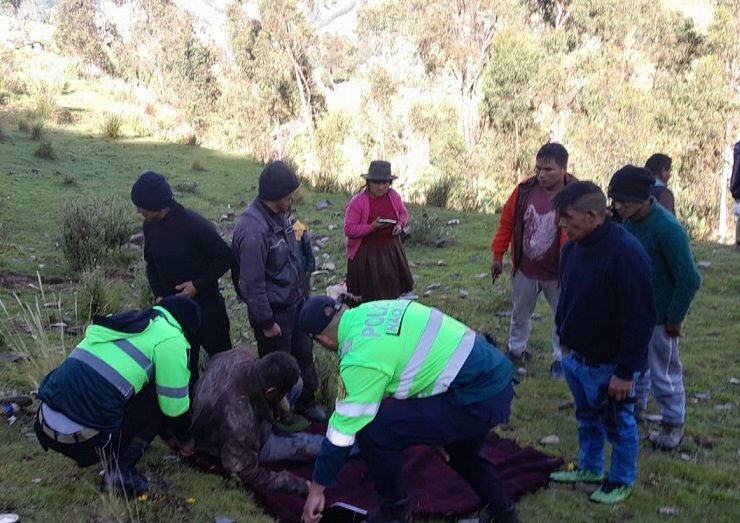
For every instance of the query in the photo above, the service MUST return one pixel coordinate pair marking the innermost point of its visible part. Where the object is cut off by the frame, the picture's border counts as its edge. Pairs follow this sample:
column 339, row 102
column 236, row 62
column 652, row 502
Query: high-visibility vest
column 393, row 348
column 159, row 353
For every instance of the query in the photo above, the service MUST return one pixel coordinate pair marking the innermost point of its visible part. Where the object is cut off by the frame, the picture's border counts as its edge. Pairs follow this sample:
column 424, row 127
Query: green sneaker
column 610, row 494
column 576, row 476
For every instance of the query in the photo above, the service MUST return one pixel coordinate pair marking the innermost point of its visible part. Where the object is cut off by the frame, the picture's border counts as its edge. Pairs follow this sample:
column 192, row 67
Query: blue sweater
column 675, row 277
column 606, row 312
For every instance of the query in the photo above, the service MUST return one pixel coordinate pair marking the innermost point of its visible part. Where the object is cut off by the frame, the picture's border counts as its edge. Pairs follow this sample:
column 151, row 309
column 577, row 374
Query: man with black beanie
column 185, row 256
column 674, row 284
column 267, row 277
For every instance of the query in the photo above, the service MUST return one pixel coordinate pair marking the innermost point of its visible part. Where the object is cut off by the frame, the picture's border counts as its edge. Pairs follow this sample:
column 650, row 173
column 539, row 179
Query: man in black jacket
column 269, row 279
column 185, row 256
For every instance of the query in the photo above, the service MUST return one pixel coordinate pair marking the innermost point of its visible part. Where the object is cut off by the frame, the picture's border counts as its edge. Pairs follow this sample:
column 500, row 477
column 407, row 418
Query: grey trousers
column 524, row 293
column 664, row 376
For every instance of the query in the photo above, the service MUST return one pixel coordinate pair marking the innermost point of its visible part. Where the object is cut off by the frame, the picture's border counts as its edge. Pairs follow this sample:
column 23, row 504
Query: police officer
column 125, row 382
column 446, row 386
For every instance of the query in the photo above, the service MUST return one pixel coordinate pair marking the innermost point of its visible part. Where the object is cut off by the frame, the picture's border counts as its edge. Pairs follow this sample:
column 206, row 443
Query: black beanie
column 631, row 184
column 277, row 181
column 151, row 192
column 185, row 311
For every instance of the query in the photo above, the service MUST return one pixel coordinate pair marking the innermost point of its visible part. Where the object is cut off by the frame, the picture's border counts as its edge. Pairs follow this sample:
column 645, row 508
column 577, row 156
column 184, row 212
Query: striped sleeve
column 365, row 389
column 172, row 375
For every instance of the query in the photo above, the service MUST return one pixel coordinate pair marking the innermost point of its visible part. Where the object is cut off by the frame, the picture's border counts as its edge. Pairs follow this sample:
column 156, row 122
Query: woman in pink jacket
column 377, row 268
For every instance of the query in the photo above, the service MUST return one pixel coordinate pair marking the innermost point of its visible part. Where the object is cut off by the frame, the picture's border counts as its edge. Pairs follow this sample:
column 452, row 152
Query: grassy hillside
column 699, row 481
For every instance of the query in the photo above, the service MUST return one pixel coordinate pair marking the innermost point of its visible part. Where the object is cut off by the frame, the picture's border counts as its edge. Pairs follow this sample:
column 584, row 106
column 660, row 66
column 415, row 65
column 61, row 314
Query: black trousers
column 297, row 343
column 142, row 421
column 213, row 334
column 436, row 420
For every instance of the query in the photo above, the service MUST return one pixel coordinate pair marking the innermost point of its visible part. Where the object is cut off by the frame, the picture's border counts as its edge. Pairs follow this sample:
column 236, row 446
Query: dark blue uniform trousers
column 436, row 420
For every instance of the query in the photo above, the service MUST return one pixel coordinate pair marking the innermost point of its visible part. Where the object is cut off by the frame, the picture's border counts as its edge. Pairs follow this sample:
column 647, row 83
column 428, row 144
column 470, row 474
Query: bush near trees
column 613, row 81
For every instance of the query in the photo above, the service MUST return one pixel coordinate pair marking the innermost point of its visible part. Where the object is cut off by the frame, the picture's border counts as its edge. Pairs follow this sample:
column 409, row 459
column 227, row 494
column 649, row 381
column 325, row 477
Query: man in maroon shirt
column 529, row 224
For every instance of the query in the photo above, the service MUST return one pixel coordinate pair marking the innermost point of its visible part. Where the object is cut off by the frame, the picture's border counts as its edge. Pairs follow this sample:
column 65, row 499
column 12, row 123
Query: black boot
column 121, row 476
column 392, row 512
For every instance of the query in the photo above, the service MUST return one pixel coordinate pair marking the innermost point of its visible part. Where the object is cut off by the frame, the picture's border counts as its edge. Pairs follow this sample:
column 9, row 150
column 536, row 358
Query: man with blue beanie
column 185, row 256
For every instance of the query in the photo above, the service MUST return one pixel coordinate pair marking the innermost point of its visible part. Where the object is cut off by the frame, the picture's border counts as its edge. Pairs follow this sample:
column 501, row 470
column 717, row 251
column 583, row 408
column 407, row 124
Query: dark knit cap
column 151, row 192
column 277, row 181
column 631, row 184
column 185, row 311
column 317, row 314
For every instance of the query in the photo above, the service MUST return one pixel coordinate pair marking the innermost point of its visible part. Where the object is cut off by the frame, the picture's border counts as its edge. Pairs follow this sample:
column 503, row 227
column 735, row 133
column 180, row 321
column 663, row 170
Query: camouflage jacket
column 226, row 424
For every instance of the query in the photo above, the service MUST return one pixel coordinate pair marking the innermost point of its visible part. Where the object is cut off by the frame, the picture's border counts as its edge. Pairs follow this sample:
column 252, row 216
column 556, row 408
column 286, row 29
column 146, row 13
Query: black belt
column 587, row 361
column 67, row 439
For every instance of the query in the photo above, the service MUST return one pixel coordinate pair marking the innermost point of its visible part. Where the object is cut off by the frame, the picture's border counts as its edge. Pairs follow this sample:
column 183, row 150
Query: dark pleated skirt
column 379, row 271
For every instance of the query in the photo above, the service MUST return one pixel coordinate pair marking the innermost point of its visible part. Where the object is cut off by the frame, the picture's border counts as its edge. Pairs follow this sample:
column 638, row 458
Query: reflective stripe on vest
column 136, row 355
column 346, row 347
column 355, row 410
column 110, row 374
column 458, row 359
column 408, row 375
column 339, row 439
column 172, row 392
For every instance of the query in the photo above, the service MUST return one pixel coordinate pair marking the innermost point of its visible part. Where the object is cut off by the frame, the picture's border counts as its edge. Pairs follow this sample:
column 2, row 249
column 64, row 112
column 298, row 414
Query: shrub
column 187, row 187
column 112, row 126
column 95, row 296
column 92, row 230
column 26, row 330
column 37, row 131
column 23, row 125
column 45, row 151
column 439, row 190
column 44, row 99
column 197, row 166
column 425, row 229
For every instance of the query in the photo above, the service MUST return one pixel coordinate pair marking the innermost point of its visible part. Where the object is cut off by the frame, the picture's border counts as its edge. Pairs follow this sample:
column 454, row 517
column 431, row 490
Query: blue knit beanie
column 151, row 192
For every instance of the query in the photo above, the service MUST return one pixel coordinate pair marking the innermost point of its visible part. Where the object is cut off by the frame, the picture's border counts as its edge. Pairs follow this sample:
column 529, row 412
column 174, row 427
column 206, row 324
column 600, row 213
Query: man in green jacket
column 408, row 375
column 675, row 282
column 123, row 384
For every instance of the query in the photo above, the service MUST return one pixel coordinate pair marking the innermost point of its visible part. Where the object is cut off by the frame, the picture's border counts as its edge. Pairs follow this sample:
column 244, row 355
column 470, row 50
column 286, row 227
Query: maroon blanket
column 434, row 488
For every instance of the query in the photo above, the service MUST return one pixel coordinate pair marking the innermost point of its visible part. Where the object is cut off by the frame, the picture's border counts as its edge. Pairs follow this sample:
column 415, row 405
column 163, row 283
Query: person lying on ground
column 234, row 414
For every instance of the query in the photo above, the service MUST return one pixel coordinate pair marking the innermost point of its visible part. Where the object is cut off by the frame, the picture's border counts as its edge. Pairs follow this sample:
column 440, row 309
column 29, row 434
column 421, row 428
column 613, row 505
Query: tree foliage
column 77, row 33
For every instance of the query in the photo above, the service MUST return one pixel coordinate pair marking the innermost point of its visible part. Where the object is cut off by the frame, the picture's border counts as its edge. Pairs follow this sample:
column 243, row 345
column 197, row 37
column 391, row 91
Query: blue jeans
column 599, row 420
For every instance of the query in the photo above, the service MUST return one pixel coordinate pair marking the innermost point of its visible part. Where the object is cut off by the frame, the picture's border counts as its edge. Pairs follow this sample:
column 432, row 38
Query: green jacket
column 393, row 348
column 130, row 361
column 675, row 276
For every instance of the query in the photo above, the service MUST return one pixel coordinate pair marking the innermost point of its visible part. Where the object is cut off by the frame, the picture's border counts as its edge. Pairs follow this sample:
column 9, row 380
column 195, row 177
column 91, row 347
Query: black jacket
column 184, row 246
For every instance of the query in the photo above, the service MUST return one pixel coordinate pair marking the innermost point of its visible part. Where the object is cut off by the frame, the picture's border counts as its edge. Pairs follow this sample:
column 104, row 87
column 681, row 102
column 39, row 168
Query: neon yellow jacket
column 393, row 348
column 130, row 361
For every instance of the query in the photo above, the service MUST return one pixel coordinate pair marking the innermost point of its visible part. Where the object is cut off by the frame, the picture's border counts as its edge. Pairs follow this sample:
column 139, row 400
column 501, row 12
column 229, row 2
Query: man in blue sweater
column 605, row 318
column 675, row 282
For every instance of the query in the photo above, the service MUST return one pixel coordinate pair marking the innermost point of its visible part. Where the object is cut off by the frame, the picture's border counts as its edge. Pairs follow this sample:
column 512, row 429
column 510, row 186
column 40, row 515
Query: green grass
column 702, row 486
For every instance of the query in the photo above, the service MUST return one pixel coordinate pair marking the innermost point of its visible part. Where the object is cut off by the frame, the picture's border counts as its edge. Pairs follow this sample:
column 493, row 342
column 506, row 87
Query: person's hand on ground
column 314, row 505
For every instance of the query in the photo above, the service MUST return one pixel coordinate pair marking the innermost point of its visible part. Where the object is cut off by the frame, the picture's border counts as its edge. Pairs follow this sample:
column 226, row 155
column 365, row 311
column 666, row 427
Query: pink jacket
column 357, row 214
